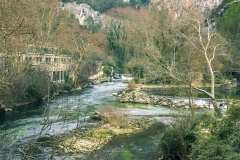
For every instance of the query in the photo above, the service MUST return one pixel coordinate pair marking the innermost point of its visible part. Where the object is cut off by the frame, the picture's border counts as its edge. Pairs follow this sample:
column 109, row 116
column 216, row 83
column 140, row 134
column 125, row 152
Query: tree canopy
column 228, row 24
column 104, row 5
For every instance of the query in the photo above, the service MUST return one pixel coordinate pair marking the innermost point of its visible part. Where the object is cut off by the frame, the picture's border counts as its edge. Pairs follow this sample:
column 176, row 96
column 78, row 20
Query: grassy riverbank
column 114, row 124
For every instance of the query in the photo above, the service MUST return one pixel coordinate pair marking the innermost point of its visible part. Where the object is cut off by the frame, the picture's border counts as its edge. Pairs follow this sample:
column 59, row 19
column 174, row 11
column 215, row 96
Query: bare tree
column 168, row 42
column 209, row 44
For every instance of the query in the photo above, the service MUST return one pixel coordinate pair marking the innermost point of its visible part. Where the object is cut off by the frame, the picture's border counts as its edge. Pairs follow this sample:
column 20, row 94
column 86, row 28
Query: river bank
column 59, row 90
column 78, row 142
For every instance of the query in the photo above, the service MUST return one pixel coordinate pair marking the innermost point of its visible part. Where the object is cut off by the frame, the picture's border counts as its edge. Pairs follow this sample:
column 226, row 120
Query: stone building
column 58, row 65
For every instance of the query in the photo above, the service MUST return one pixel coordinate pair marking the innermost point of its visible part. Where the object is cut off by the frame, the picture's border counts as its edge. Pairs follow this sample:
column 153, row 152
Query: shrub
column 107, row 70
column 67, row 86
column 177, row 140
column 203, row 137
column 20, row 86
column 234, row 112
column 132, row 84
column 114, row 117
column 215, row 149
column 223, row 141
column 170, row 144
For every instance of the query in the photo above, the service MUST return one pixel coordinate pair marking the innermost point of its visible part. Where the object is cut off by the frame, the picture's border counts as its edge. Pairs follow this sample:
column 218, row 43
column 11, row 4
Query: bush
column 132, row 84
column 203, row 137
column 214, row 149
column 67, row 86
column 136, row 80
column 114, row 117
column 170, row 144
column 21, row 86
column 107, row 70
column 177, row 140
column 223, row 141
column 234, row 112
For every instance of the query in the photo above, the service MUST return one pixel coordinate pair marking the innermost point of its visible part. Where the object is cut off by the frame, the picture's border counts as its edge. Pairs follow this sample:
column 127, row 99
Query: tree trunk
column 216, row 108
column 238, row 84
column 190, row 99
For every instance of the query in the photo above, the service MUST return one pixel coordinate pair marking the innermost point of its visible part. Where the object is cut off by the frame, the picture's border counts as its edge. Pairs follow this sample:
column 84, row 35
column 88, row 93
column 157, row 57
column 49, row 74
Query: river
column 65, row 112
column 68, row 111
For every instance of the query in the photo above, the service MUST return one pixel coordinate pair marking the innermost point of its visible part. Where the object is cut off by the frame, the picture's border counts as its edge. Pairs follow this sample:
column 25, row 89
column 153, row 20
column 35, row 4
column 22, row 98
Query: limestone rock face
column 82, row 12
column 179, row 7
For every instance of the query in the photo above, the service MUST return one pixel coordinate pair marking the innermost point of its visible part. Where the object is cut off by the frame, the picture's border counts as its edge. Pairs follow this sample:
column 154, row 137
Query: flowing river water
column 65, row 112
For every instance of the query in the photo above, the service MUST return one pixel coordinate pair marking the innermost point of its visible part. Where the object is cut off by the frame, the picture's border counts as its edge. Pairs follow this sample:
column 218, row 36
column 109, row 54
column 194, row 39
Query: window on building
column 28, row 59
column 39, row 59
column 48, row 60
column 55, row 60
column 54, row 76
column 58, row 75
column 6, row 65
column 63, row 60
column 62, row 75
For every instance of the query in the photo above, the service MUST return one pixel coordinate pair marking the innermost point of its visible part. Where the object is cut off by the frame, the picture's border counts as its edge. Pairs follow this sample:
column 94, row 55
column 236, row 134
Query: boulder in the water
column 8, row 109
column 96, row 115
column 125, row 81
column 115, row 94
column 2, row 110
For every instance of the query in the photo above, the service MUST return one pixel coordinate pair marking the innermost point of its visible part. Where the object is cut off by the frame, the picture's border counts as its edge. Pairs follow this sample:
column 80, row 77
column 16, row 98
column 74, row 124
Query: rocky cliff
column 82, row 12
column 178, row 7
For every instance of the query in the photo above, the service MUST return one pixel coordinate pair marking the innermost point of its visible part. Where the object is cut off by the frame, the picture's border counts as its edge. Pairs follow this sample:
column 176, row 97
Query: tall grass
column 114, row 117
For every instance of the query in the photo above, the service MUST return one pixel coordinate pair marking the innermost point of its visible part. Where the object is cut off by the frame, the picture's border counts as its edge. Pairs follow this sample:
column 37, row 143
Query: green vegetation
column 117, row 37
column 203, row 137
column 215, row 12
column 138, row 3
column 107, row 70
column 176, row 141
column 127, row 155
column 91, row 26
column 227, row 23
column 145, row 42
column 99, row 5
column 136, row 70
column 23, row 86
column 104, row 5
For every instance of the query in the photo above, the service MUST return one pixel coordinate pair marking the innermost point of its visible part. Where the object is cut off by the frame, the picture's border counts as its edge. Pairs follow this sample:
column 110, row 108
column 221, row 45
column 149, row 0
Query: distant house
column 57, row 65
